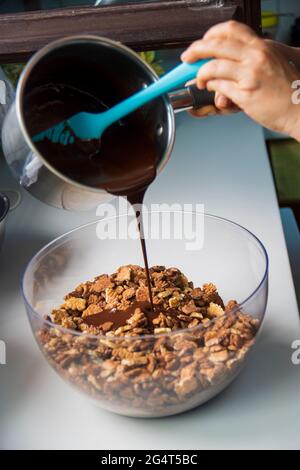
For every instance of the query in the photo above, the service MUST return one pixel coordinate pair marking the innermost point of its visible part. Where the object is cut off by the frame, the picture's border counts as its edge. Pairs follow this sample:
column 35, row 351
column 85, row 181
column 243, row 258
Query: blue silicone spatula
column 88, row 126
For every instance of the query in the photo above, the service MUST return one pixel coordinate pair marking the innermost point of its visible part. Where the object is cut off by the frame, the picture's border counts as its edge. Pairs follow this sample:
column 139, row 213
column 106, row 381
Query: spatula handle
column 178, row 76
column 168, row 82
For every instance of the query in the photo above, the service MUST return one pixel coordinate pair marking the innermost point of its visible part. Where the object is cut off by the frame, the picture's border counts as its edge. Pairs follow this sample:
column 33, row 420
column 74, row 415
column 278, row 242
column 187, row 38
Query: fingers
column 227, row 88
column 191, row 82
column 230, row 49
column 223, row 106
column 203, row 112
column 215, row 69
column 232, row 30
column 222, row 102
column 226, row 41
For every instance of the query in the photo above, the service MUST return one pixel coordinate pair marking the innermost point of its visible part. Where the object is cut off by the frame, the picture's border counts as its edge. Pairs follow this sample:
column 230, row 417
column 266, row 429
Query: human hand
column 222, row 106
column 248, row 73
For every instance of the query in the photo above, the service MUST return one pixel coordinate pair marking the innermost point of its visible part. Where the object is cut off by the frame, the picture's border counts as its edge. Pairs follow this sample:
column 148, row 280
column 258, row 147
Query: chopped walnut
column 124, row 274
column 91, row 310
column 142, row 294
column 101, row 283
column 58, row 315
column 74, row 303
column 214, row 310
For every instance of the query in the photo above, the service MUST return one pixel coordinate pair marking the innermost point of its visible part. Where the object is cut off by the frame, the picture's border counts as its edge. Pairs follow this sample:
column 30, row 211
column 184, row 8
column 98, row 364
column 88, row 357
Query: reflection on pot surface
column 4, row 208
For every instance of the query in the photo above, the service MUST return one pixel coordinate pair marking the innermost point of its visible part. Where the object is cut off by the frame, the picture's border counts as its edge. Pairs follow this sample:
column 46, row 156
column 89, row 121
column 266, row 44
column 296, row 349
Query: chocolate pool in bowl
column 147, row 365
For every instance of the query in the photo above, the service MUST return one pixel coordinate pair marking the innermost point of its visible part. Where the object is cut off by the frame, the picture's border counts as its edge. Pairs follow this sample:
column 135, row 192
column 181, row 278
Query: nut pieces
column 170, row 290
column 199, row 347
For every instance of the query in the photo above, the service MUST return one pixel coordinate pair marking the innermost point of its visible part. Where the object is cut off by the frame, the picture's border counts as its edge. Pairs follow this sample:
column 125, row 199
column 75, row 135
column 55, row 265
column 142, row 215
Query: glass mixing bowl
column 154, row 375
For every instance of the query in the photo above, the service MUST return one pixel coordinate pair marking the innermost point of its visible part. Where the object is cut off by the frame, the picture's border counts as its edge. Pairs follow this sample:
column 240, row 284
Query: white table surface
column 219, row 162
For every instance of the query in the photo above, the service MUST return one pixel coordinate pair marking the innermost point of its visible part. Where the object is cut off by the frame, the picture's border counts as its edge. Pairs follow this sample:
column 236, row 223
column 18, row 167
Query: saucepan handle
column 191, row 97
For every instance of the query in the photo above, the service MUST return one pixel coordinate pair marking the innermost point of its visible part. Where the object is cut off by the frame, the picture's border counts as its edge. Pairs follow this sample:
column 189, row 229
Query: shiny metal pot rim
column 4, row 207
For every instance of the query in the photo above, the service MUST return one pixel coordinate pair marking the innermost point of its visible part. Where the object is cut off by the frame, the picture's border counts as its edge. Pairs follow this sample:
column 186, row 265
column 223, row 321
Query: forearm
column 291, row 53
column 294, row 54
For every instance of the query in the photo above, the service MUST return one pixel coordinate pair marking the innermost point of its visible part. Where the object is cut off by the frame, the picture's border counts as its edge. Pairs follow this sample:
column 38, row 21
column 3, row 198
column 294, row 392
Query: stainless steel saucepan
column 91, row 64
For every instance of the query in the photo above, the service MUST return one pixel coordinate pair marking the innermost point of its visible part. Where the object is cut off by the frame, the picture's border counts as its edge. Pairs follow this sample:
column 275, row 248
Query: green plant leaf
column 149, row 57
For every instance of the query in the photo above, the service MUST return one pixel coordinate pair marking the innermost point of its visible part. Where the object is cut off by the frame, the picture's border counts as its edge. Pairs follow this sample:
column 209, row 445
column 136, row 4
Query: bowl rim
column 64, row 330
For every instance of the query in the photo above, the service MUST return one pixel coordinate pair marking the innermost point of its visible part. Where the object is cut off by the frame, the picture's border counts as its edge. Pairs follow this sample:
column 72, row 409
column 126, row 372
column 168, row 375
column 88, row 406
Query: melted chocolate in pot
column 123, row 162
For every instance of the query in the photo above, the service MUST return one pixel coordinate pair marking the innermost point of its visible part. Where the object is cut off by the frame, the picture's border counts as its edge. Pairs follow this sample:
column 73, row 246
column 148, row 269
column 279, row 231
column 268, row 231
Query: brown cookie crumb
column 199, row 343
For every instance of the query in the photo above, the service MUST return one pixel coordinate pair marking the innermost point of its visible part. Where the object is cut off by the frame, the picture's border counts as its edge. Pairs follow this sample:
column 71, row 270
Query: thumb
column 224, row 104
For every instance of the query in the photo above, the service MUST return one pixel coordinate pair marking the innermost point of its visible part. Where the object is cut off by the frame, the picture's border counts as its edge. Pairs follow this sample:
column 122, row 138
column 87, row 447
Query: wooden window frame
column 144, row 26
